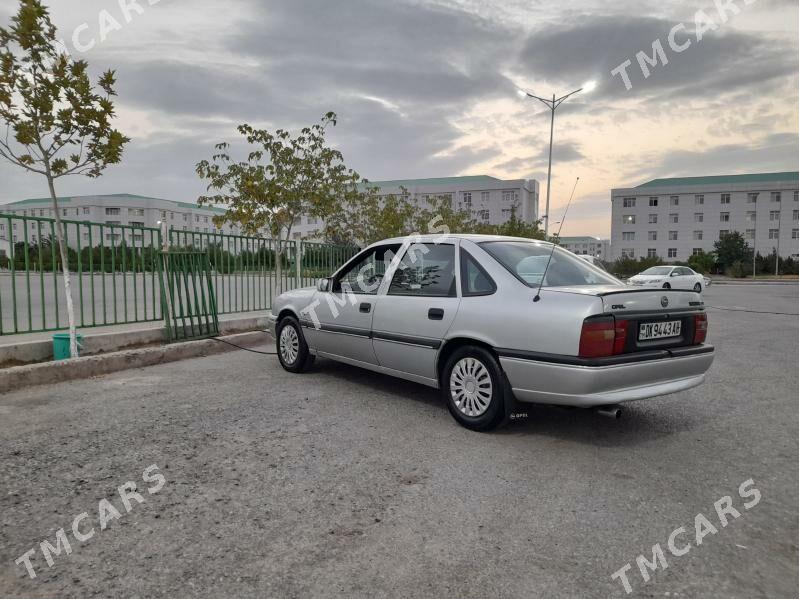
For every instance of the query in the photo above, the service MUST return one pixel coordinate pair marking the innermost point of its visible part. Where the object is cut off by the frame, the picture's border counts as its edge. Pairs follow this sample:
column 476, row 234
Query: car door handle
column 365, row 307
column 435, row 314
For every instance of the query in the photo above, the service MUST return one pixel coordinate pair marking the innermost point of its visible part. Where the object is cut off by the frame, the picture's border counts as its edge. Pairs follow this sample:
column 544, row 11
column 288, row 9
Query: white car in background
column 669, row 277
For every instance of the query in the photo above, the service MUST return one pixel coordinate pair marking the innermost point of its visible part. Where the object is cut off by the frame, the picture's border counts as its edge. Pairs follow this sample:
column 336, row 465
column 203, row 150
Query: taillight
column 700, row 328
column 602, row 337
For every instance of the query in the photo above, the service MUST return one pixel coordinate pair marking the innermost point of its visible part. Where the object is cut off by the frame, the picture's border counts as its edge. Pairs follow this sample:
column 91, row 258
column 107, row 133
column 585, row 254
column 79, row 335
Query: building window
column 672, row 252
column 699, row 217
column 312, row 220
column 751, row 216
column 674, row 218
column 774, row 215
column 653, row 201
column 795, row 234
column 627, row 253
column 467, row 200
column 483, row 215
column 725, row 198
column 629, row 202
column 699, row 200
column 485, row 196
column 86, row 210
column 64, row 212
column 136, row 211
column 136, row 224
column 651, row 253
column 508, row 196
column 628, row 236
column 163, row 214
column 196, row 218
column 773, row 233
column 672, row 235
column 750, row 234
column 723, row 232
column 776, row 196
column 724, row 217
column 628, row 219
column 796, row 214
column 653, row 219
column 697, row 251
column 506, row 213
column 752, row 198
column 796, row 196
column 653, row 236
column 698, row 235
column 674, row 201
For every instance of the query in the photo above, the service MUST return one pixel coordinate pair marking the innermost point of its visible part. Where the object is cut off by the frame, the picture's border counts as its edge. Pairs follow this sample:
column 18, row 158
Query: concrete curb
column 28, row 352
column 47, row 373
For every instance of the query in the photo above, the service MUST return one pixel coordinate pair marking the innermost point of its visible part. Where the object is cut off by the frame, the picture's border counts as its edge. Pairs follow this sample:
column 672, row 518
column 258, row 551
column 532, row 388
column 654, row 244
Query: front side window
column 426, row 269
column 527, row 261
column 365, row 272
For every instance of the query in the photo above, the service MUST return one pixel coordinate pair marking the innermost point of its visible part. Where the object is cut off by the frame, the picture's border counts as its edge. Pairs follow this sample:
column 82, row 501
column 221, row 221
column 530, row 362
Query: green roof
column 120, row 196
column 724, row 179
column 475, row 179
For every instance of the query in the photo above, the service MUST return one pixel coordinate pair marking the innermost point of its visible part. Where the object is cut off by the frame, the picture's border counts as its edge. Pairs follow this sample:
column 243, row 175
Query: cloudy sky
column 425, row 88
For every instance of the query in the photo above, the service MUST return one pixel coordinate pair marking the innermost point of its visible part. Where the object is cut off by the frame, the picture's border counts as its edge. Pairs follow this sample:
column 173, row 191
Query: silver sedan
column 497, row 322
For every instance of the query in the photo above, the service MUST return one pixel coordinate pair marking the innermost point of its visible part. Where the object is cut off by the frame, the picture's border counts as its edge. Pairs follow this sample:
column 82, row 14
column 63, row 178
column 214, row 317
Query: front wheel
column 698, row 288
column 292, row 350
column 474, row 389
column 666, row 285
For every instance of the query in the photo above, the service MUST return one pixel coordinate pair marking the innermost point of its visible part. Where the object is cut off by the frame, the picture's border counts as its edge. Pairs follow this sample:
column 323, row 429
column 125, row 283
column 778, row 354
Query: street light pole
column 553, row 106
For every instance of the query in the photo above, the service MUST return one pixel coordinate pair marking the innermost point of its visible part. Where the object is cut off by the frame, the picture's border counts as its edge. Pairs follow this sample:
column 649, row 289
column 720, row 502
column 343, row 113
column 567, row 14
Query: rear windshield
column 527, row 261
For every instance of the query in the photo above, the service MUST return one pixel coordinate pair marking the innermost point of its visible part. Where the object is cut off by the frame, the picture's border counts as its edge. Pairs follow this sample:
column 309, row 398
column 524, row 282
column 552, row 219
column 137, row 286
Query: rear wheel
column 292, row 350
column 474, row 389
column 666, row 285
column 698, row 288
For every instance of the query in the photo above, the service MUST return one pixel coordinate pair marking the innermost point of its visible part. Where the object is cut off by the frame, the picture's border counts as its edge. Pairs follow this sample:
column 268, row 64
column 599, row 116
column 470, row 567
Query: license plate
column 659, row 330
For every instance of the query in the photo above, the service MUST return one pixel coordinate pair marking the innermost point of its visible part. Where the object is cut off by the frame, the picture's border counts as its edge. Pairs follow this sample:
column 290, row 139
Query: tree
column 440, row 214
column 732, row 248
column 516, row 227
column 57, row 124
column 703, row 262
column 283, row 178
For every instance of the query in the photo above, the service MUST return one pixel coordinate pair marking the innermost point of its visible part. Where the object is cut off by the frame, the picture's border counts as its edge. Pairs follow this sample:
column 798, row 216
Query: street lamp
column 553, row 105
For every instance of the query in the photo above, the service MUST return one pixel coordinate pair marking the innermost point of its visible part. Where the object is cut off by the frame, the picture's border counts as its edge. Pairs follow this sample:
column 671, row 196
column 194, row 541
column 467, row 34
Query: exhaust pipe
column 609, row 411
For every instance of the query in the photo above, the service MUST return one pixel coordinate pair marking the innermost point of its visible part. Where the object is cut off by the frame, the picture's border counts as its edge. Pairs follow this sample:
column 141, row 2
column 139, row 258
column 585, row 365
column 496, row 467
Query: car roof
column 442, row 238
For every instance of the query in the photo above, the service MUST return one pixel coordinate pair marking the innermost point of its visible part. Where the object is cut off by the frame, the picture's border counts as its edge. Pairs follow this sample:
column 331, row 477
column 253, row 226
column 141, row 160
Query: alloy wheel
column 470, row 386
column 289, row 344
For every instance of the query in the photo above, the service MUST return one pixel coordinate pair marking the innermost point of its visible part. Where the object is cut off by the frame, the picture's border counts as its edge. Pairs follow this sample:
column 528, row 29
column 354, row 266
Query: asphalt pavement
column 345, row 483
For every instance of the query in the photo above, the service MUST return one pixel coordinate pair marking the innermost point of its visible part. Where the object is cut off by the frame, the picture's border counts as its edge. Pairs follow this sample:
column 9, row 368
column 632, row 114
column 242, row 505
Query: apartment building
column 114, row 209
column 589, row 246
column 675, row 218
column 489, row 199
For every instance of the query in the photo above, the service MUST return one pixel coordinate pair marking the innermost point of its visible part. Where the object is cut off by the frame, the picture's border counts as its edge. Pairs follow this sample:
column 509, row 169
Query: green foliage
column 731, row 248
column 283, row 178
column 58, row 123
column 702, row 262
column 627, row 267
column 737, row 269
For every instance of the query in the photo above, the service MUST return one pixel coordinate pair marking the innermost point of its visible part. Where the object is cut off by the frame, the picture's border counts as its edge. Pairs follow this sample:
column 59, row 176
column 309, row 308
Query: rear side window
column 426, row 269
column 474, row 279
column 527, row 261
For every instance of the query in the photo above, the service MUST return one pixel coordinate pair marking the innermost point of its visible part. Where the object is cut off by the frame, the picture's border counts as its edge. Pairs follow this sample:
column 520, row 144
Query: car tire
column 473, row 385
column 698, row 288
column 666, row 285
column 292, row 350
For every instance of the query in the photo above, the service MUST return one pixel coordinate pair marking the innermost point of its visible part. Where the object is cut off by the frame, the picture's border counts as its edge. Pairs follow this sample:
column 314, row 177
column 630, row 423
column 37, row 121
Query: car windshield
column 528, row 261
column 657, row 270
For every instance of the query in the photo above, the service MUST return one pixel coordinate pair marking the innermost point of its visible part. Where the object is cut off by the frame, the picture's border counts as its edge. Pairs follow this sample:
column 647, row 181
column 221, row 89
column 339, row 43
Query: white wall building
column 588, row 246
column 675, row 218
column 489, row 199
column 114, row 209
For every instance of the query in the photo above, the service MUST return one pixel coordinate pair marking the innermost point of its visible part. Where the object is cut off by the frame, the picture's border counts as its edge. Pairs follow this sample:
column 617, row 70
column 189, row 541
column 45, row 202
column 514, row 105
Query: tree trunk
column 59, row 233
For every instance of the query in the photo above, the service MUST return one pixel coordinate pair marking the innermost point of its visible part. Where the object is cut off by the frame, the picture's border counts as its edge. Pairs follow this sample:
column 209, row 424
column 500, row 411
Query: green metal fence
column 114, row 271
column 189, row 298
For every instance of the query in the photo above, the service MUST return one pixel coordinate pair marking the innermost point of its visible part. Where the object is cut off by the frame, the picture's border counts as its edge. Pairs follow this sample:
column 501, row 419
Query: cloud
column 592, row 46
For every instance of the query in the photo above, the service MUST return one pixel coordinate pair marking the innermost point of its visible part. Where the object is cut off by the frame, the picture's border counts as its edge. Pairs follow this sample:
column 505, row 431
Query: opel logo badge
column 664, row 301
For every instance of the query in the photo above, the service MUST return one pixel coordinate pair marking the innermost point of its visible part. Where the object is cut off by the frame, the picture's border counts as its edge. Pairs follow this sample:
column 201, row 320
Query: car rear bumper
column 582, row 385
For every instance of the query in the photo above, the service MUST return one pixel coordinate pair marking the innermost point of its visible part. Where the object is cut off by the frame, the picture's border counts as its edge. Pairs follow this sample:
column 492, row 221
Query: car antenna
column 562, row 220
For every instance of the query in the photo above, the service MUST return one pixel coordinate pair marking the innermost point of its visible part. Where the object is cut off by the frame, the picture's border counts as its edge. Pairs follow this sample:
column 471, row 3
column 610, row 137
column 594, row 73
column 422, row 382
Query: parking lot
column 346, row 483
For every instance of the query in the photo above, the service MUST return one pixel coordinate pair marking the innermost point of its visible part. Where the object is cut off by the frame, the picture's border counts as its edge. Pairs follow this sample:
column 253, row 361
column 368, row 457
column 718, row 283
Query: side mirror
column 323, row 285
column 674, row 274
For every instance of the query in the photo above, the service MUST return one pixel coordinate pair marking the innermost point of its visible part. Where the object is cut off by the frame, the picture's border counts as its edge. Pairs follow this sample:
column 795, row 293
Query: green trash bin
column 61, row 345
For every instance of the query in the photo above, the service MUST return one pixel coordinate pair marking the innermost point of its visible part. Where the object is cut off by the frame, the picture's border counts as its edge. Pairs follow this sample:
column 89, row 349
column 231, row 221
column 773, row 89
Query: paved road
column 346, row 483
